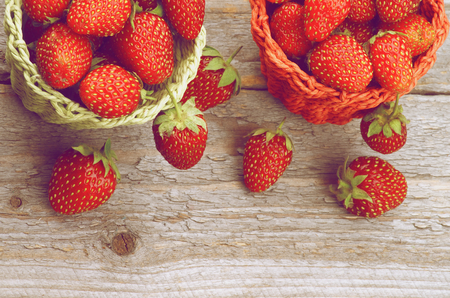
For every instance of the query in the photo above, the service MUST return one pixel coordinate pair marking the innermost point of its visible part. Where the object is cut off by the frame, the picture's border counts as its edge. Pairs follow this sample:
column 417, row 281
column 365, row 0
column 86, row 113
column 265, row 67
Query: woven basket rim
column 325, row 97
column 29, row 85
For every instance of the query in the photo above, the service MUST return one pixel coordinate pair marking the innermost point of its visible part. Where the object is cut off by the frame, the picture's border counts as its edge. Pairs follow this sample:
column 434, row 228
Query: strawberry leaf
column 216, row 64
column 228, row 77
column 360, row 194
column 83, row 149
column 387, row 131
column 210, row 52
column 396, row 126
column 358, row 180
column 374, row 129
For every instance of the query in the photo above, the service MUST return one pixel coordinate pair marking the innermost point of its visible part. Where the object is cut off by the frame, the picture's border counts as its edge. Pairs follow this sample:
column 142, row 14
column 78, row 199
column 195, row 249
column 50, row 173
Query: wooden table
column 201, row 233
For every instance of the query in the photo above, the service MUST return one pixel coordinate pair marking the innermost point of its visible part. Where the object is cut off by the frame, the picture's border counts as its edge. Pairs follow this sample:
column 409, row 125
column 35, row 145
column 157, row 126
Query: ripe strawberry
column 419, row 31
column 80, row 182
column 62, row 56
column 146, row 49
column 180, row 134
column 279, row 1
column 384, row 129
column 415, row 6
column 369, row 186
column 43, row 10
column 147, row 5
column 362, row 11
column 216, row 80
column 288, row 30
column 110, row 91
column 267, row 154
column 391, row 59
column 341, row 63
column 393, row 10
column 186, row 16
column 99, row 17
column 323, row 16
column 362, row 32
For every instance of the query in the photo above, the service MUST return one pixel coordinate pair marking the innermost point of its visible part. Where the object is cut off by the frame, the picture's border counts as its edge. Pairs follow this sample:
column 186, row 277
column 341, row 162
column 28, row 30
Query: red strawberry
column 369, row 186
column 147, row 5
column 99, row 17
column 415, row 6
column 393, row 10
column 110, row 91
column 391, row 59
column 43, row 10
column 62, row 56
column 216, row 80
column 288, row 30
column 278, row 1
column 362, row 11
column 384, row 129
column 80, row 182
column 341, row 63
column 267, row 154
column 362, row 32
column 186, row 16
column 180, row 134
column 419, row 31
column 146, row 49
column 323, row 16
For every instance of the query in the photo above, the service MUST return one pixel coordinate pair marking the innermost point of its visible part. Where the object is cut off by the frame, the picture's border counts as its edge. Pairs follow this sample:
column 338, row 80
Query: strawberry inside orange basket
column 302, row 93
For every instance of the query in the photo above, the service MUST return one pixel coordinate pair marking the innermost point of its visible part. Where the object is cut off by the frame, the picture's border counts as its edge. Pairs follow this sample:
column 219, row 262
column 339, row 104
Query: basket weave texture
column 54, row 107
column 318, row 103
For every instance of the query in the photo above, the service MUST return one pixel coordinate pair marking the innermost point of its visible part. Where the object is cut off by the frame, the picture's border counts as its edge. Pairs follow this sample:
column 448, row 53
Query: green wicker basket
column 54, row 107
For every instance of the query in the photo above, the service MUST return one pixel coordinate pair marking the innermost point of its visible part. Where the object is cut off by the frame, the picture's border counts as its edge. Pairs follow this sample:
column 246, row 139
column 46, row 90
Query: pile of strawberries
column 350, row 44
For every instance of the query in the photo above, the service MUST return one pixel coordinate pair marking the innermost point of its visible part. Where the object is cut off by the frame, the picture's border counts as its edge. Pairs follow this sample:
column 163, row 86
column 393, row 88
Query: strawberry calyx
column 106, row 155
column 136, row 8
column 230, row 73
column 386, row 118
column 347, row 188
column 181, row 116
column 383, row 33
column 271, row 134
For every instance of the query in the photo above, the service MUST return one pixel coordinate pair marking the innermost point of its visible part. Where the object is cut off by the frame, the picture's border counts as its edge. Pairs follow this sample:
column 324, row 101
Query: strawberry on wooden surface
column 99, row 17
column 216, row 80
column 63, row 57
column 369, row 186
column 391, row 59
column 180, row 134
column 83, row 178
column 384, row 129
column 341, row 63
column 43, row 10
column 323, row 16
column 110, row 91
column 287, row 27
column 186, row 16
column 267, row 154
column 145, row 46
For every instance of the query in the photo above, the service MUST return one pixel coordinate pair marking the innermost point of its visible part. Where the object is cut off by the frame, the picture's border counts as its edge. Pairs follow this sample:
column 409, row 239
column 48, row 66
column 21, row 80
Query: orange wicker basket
column 302, row 94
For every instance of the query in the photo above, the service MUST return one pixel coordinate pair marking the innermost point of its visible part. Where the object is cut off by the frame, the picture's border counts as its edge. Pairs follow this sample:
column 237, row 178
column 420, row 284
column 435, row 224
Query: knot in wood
column 15, row 202
column 123, row 244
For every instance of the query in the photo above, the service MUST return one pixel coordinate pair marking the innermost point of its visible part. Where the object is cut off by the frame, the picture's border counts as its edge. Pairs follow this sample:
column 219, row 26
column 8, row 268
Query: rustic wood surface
column 201, row 233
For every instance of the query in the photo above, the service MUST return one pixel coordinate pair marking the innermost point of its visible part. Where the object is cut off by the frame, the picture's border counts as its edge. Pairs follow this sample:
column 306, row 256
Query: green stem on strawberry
column 174, row 102
column 234, row 55
column 394, row 111
column 270, row 134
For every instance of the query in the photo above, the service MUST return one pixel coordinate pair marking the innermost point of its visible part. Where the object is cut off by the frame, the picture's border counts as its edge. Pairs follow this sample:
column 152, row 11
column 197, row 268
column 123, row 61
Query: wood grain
column 201, row 233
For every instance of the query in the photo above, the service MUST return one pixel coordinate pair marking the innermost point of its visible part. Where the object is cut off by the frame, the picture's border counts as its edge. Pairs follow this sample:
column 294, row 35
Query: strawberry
column 393, row 10
column 391, row 59
column 145, row 46
column 288, row 30
column 216, row 80
column 362, row 11
column 43, row 10
column 267, row 154
column 384, row 129
column 278, row 1
column 62, row 56
column 419, row 31
column 110, row 91
column 415, row 6
column 186, row 16
column 80, row 182
column 341, row 63
column 147, row 5
column 323, row 16
column 369, row 186
column 99, row 17
column 180, row 134
column 362, row 32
